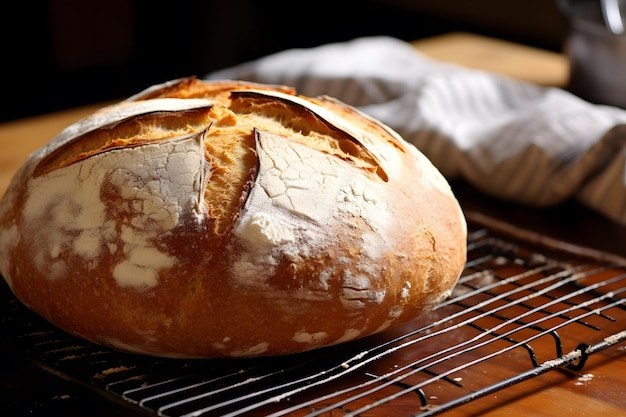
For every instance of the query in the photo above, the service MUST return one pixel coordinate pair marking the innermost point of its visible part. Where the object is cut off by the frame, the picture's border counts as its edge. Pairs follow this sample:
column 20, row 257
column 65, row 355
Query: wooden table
column 495, row 55
column 556, row 393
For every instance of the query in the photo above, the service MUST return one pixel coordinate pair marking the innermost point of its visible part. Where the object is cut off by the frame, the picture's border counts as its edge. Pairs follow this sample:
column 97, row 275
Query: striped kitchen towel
column 511, row 139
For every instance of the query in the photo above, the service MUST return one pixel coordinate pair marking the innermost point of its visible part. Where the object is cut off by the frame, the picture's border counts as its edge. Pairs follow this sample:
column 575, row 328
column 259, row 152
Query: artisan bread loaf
column 228, row 219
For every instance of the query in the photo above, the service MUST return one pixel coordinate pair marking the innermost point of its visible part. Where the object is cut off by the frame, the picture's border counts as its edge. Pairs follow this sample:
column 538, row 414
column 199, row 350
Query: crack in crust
column 310, row 128
column 132, row 132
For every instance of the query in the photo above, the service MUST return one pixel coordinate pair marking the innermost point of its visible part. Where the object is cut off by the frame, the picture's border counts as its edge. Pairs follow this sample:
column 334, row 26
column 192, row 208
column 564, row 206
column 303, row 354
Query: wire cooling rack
column 524, row 306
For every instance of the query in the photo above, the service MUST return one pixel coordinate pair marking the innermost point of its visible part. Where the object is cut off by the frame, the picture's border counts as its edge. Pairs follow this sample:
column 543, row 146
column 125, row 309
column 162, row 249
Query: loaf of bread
column 228, row 219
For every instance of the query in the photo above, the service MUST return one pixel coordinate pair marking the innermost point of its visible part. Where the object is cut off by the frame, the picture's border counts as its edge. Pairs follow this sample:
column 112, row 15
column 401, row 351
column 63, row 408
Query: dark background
column 65, row 53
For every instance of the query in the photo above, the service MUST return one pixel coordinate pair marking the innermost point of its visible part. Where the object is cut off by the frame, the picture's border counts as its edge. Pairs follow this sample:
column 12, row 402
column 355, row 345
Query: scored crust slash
column 227, row 219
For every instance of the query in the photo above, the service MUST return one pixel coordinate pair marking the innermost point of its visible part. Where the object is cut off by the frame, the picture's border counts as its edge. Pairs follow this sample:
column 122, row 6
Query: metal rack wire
column 519, row 311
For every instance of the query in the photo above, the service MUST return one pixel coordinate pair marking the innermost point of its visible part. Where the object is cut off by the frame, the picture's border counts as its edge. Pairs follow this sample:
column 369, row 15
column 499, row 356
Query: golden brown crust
column 228, row 219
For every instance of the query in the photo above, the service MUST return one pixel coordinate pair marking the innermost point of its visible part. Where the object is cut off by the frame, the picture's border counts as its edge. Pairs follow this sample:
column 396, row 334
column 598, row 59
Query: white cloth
column 511, row 139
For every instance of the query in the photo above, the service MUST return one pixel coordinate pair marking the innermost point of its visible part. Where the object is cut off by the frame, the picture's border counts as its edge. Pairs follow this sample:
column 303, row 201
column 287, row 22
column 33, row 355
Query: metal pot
column 597, row 55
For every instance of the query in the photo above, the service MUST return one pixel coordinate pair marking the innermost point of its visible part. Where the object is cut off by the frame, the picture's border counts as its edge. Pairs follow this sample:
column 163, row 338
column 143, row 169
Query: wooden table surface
column 498, row 56
column 552, row 395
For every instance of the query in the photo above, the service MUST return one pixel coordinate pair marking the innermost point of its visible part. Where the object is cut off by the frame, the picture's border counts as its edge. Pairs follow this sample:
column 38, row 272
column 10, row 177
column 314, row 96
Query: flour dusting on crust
column 154, row 183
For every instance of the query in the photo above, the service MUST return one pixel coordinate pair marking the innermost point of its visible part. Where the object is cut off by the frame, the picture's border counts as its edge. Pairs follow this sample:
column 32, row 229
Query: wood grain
column 498, row 56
